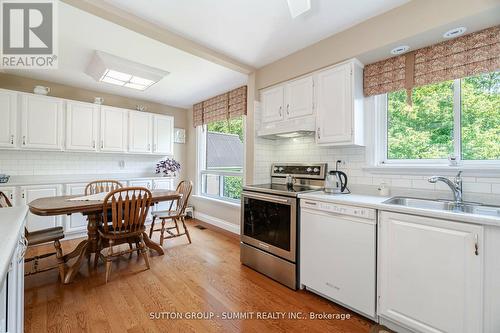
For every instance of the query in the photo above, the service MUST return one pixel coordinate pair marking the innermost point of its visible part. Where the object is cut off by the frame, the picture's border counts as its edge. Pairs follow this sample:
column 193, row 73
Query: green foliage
column 233, row 187
column 425, row 129
column 231, row 126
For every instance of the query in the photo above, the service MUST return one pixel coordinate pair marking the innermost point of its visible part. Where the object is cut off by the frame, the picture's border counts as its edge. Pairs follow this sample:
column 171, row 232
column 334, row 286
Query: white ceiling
column 255, row 32
column 191, row 79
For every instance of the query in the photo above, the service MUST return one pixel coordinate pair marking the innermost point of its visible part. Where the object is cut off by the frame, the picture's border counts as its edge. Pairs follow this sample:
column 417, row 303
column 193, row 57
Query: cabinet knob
column 102, row 144
column 93, row 144
column 280, row 111
column 318, row 132
column 288, row 109
column 24, row 139
column 12, row 139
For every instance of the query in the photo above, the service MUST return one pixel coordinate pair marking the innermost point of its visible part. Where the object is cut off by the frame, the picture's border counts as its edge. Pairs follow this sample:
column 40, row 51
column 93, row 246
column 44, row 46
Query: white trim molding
column 231, row 227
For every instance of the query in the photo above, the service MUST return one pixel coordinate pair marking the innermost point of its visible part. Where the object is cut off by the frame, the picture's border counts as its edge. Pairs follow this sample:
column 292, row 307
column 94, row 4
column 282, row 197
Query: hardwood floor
column 204, row 278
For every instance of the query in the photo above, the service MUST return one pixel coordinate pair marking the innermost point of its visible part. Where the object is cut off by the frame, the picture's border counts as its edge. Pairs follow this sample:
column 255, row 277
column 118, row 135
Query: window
column 222, row 158
column 458, row 119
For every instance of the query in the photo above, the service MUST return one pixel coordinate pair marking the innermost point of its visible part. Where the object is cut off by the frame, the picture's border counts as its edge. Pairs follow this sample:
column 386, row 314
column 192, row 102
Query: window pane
column 424, row 130
column 222, row 187
column 481, row 117
column 225, row 145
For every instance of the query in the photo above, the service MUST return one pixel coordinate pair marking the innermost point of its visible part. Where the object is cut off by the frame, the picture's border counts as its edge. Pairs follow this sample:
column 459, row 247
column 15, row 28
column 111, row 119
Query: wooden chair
column 100, row 186
column 179, row 214
column 129, row 208
column 40, row 237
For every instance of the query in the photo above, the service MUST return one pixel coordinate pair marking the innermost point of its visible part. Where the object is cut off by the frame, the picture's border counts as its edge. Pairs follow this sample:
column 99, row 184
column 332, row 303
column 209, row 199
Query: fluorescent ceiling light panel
column 107, row 68
column 298, row 7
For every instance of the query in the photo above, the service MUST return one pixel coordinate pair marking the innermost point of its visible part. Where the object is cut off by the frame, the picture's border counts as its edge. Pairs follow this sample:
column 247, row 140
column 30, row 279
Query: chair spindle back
column 100, row 186
column 4, row 201
column 185, row 187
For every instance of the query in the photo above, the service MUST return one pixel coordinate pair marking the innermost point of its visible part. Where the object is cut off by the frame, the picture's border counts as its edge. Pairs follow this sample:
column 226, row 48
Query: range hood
column 291, row 128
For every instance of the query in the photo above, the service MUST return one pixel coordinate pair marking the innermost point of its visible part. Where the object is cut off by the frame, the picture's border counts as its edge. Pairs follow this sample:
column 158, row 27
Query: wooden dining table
column 93, row 209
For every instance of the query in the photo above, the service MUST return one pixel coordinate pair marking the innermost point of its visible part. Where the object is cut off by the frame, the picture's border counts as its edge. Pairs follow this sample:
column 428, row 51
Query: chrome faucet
column 455, row 185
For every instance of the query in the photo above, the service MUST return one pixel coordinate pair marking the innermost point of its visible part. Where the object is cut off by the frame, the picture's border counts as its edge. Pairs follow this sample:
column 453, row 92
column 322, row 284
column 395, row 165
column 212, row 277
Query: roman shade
column 464, row 56
column 229, row 105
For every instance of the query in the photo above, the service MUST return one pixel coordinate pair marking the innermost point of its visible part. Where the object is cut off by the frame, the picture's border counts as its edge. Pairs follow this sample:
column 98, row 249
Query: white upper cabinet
column 8, row 116
column 140, row 132
column 299, row 97
column 41, row 123
column 163, row 134
column 82, row 126
column 339, row 105
column 113, row 129
column 272, row 104
column 430, row 273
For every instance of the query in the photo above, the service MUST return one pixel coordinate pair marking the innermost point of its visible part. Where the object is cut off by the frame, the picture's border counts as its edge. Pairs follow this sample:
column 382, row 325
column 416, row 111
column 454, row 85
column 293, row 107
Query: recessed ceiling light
column 121, row 72
column 400, row 49
column 298, row 7
column 454, row 32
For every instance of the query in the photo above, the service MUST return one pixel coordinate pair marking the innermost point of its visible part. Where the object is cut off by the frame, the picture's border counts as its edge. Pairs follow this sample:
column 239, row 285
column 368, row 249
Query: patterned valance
column 463, row 56
column 224, row 106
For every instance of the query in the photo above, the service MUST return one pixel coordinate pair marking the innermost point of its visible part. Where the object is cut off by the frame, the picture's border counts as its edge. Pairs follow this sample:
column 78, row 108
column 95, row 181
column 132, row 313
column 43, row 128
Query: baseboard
column 228, row 226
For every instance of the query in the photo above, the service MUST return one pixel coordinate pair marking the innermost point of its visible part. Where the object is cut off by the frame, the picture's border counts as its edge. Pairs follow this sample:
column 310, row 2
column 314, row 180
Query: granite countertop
column 68, row 179
column 376, row 202
column 11, row 226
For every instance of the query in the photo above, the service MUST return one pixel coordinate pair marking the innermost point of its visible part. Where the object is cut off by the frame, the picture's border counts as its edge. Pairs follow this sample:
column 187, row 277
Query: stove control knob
column 316, row 170
column 308, row 169
column 280, row 169
column 275, row 169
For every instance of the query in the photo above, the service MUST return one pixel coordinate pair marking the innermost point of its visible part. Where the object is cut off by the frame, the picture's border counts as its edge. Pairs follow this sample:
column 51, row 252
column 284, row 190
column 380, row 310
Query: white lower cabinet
column 75, row 223
column 430, row 273
column 30, row 193
column 12, row 292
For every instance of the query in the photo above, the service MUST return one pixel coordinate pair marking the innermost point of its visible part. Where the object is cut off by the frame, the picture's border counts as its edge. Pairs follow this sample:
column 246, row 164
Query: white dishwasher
column 338, row 254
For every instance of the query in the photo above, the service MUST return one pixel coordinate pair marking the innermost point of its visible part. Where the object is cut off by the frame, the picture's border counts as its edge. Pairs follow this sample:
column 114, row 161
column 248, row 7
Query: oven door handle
column 266, row 197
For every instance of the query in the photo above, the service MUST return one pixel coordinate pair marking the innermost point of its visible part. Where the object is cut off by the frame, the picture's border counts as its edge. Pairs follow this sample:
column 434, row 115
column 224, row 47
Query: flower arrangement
column 168, row 167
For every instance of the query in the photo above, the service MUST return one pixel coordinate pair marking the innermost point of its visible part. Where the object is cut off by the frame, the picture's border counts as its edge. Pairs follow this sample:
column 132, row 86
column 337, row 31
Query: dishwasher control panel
column 367, row 213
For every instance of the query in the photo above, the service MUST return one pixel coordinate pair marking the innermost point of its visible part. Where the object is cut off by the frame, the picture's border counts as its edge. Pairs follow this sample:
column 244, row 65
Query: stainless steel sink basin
column 443, row 205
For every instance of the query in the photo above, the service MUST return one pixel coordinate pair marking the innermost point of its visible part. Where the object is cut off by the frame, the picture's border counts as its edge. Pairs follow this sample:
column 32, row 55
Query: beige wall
column 409, row 20
column 24, row 84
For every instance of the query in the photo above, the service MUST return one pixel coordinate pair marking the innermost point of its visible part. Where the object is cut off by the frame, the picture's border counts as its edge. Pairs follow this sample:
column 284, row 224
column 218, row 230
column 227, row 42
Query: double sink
column 446, row 206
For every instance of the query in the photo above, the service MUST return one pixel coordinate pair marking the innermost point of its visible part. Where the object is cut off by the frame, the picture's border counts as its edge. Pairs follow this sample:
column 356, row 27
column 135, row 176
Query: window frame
column 201, row 169
column 381, row 140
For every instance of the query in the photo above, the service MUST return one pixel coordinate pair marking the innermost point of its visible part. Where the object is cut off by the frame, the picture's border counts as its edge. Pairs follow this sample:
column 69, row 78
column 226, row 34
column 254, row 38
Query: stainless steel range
column 269, row 219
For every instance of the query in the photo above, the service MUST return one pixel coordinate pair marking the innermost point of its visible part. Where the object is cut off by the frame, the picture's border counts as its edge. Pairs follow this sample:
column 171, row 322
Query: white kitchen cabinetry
column 82, row 126
column 8, row 117
column 12, row 291
column 430, row 273
column 163, row 134
column 140, row 133
column 75, row 223
column 41, row 124
column 30, row 193
column 290, row 100
column 113, row 129
column 338, row 254
column 299, row 98
column 272, row 100
column 339, row 105
column 11, row 193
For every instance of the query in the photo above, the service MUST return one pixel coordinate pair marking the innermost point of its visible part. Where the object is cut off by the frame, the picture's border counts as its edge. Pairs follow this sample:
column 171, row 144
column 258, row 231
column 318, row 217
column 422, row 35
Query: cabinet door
column 140, row 132
column 8, row 116
column 113, row 129
column 163, row 184
column 75, row 223
column 10, row 192
column 334, row 105
column 272, row 104
column 163, row 142
column 30, row 193
column 337, row 256
column 299, row 97
column 41, row 122
column 82, row 126
column 430, row 273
